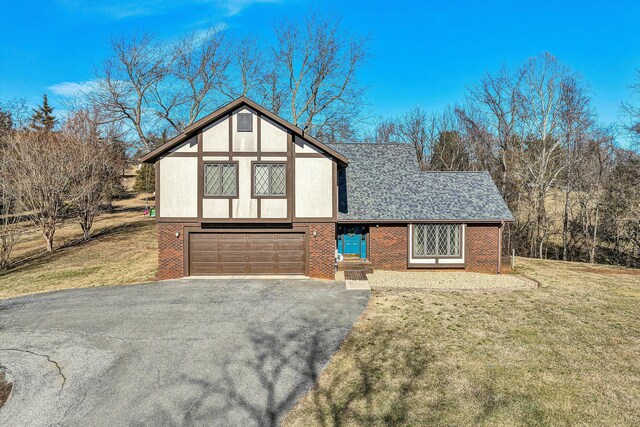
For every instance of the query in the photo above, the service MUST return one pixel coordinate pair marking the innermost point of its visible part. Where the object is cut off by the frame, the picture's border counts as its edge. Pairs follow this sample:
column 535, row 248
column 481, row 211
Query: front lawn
column 564, row 354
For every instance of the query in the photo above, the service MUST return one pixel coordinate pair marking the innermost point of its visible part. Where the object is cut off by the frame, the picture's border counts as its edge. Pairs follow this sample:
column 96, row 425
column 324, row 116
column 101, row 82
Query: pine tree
column 6, row 121
column 43, row 119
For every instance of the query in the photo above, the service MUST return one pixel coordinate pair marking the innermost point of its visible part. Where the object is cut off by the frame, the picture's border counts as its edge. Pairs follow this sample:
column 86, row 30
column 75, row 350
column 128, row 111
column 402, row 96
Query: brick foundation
column 171, row 249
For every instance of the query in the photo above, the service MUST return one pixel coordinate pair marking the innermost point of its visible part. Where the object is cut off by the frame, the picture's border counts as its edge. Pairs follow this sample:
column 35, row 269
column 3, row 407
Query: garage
column 219, row 253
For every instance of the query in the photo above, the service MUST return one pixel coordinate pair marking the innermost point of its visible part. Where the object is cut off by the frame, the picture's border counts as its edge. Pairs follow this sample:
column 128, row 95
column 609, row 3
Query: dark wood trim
column 218, row 162
column 187, row 230
column 291, row 171
column 230, row 136
column 314, row 219
column 334, row 184
column 253, row 170
column 422, row 221
column 244, row 153
column 182, row 154
column 157, row 187
column 200, row 175
column 312, row 156
column 500, row 248
column 259, row 149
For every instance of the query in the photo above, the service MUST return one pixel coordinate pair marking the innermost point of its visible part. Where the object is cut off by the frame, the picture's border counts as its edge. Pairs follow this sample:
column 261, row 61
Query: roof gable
column 194, row 128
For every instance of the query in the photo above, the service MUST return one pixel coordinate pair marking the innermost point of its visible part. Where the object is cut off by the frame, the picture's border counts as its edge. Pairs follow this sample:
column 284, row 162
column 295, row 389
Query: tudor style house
column 244, row 192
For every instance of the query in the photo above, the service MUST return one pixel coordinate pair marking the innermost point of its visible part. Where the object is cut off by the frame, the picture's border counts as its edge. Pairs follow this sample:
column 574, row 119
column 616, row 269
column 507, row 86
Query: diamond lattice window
column 432, row 240
column 220, row 179
column 270, row 180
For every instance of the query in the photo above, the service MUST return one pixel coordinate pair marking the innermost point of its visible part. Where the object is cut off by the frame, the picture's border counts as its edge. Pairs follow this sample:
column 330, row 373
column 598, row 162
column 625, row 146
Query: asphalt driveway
column 183, row 352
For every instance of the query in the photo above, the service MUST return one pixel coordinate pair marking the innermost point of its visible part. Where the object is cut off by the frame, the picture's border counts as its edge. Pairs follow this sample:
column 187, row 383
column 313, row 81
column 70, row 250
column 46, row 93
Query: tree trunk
column 565, row 225
column 47, row 232
column 595, row 237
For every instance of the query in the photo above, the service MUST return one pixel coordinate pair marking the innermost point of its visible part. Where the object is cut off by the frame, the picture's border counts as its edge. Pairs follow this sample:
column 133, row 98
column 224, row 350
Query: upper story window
column 436, row 240
column 220, row 179
column 269, row 179
column 245, row 122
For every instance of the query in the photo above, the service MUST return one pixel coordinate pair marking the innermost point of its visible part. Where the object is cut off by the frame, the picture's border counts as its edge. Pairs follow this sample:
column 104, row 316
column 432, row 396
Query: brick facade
column 171, row 249
column 388, row 247
column 322, row 249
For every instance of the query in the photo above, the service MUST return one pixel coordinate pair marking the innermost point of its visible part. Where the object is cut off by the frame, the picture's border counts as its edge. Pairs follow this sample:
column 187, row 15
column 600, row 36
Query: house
column 243, row 191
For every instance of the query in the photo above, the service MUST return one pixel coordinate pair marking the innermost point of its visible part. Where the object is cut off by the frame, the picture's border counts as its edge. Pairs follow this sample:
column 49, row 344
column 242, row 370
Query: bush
column 145, row 179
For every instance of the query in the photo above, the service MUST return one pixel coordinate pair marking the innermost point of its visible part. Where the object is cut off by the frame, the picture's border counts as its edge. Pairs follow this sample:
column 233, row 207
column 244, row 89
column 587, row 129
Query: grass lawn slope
column 564, row 354
column 122, row 250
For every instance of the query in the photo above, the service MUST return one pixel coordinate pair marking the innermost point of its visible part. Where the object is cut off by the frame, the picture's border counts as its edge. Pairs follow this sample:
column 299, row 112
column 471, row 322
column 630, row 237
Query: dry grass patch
column 565, row 354
column 122, row 250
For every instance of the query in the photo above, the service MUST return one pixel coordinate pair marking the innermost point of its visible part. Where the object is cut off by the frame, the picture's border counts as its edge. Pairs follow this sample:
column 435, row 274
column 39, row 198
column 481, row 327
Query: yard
column 564, row 354
column 122, row 250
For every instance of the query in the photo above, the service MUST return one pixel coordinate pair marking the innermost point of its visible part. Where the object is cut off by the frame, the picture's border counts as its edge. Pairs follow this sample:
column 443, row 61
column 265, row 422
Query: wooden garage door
column 246, row 253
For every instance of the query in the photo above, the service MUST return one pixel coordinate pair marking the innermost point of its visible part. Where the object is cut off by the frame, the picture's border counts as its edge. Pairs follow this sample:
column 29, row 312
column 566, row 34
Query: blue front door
column 353, row 239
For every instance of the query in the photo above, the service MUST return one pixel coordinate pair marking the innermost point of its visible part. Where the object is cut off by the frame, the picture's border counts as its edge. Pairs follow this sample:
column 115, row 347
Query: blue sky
column 423, row 53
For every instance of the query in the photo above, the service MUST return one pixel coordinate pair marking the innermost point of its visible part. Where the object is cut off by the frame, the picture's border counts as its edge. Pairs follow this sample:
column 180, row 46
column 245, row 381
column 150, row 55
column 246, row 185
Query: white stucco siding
column 244, row 206
column 245, row 141
column 179, row 187
column 189, row 146
column 273, row 137
column 215, row 208
column 273, row 208
column 215, row 137
column 313, row 188
column 302, row 146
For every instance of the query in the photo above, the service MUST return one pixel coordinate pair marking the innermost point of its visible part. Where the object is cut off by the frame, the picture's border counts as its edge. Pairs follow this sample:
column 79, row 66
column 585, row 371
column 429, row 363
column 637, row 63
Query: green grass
column 564, row 354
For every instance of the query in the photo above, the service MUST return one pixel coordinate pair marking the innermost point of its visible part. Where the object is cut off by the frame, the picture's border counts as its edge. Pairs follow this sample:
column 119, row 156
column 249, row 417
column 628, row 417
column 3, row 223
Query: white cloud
column 121, row 9
column 71, row 89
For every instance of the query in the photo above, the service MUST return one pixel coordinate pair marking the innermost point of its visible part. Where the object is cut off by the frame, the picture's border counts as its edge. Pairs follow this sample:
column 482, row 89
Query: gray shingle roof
column 384, row 182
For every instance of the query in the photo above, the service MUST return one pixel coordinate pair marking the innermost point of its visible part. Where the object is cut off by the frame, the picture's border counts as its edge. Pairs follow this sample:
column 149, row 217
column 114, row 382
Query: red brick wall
column 388, row 246
column 171, row 250
column 322, row 249
column 482, row 248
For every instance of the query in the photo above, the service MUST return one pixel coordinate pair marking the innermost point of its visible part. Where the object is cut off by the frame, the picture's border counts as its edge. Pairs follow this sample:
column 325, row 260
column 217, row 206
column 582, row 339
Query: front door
column 352, row 240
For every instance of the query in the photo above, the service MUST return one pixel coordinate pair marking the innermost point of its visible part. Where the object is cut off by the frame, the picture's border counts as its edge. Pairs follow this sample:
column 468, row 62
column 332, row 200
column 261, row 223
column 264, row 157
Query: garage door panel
column 247, row 253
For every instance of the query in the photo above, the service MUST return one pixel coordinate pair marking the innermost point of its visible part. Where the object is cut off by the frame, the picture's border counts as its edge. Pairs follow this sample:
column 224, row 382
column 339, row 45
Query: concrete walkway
column 184, row 352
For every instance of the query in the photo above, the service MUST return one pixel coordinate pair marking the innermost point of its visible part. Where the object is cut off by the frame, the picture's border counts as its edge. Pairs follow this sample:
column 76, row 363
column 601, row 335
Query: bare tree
column 10, row 231
column 128, row 81
column 317, row 65
column 42, row 175
column 415, row 127
column 94, row 157
column 385, row 130
column 631, row 112
column 19, row 110
column 196, row 78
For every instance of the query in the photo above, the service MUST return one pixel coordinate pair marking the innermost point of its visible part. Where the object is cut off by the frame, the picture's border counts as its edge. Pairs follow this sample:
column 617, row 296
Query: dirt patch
column 5, row 389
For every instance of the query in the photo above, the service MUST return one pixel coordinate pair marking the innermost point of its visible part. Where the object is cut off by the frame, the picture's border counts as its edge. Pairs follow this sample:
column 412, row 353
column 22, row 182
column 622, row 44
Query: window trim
column 250, row 121
column 219, row 162
column 253, row 180
column 437, row 257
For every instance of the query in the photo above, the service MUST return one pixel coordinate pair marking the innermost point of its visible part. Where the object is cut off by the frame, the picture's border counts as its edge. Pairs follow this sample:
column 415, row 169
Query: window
column 245, row 122
column 436, row 240
column 269, row 179
column 220, row 179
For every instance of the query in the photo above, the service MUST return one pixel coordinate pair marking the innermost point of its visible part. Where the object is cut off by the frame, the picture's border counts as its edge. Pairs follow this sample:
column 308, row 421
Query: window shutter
column 245, row 122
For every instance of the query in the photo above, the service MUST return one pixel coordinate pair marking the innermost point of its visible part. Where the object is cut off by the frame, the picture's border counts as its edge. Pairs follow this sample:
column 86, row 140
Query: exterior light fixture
column 177, row 234
column 315, row 233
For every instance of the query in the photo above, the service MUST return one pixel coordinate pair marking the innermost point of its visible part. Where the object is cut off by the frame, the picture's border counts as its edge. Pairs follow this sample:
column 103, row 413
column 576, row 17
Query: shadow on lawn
column 280, row 369
column 37, row 259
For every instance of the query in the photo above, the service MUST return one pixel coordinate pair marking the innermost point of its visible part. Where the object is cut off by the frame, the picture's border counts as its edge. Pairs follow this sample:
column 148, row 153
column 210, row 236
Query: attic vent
column 245, row 122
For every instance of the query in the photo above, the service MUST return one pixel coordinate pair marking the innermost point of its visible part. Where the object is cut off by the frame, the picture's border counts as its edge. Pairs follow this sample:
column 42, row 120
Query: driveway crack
column 49, row 359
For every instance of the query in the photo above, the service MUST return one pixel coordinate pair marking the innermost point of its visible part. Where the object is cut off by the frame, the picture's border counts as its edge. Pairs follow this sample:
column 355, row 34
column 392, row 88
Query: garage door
column 246, row 253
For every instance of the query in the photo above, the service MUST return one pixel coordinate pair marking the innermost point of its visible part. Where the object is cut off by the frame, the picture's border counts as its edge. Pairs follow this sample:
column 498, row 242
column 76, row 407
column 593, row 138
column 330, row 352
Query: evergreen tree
column 43, row 119
column 145, row 179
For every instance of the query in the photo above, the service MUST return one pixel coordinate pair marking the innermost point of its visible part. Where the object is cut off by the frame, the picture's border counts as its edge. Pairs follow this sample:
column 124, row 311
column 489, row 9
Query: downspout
column 500, row 247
